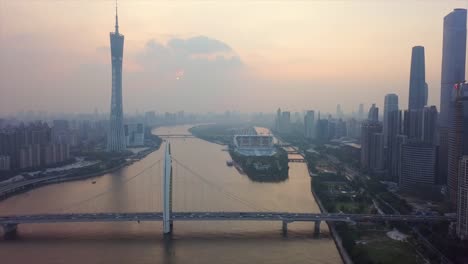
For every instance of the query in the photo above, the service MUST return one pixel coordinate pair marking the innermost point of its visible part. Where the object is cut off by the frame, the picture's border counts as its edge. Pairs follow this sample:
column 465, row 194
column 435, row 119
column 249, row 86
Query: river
column 202, row 182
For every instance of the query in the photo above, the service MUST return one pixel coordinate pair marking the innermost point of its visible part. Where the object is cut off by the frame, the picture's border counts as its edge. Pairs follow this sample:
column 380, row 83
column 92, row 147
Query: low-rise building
column 254, row 145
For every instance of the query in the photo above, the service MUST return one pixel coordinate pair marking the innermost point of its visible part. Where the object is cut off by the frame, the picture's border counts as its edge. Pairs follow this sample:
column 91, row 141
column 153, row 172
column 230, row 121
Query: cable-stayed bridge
column 215, row 216
column 167, row 216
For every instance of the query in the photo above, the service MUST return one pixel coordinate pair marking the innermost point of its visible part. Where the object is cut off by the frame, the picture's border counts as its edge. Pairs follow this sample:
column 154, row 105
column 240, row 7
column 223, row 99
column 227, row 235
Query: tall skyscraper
column 417, row 86
column 453, row 71
column 297, row 118
column 457, row 139
column 390, row 105
column 331, row 129
column 373, row 115
column 426, row 93
column 413, row 123
column 322, row 129
column 309, row 124
column 429, row 125
column 360, row 112
column 376, row 156
column 339, row 111
column 395, row 170
column 368, row 129
column 341, row 129
column 278, row 120
column 393, row 144
column 285, row 123
column 116, row 136
column 353, row 128
column 462, row 204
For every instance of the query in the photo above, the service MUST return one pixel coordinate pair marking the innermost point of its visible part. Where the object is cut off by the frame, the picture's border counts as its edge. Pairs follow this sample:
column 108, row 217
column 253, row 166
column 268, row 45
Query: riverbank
column 263, row 168
column 331, row 226
column 364, row 242
column 116, row 192
column 210, row 136
column 213, row 133
column 19, row 188
column 272, row 167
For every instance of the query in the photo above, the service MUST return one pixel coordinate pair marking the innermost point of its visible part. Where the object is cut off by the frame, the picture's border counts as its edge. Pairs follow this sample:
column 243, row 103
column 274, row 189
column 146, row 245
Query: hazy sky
column 216, row 55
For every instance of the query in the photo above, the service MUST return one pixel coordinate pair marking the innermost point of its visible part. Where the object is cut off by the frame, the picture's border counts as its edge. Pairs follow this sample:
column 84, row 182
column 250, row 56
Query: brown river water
column 202, row 182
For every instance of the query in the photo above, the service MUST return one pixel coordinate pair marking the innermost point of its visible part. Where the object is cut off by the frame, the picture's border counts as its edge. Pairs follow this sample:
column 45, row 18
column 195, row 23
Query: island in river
column 269, row 168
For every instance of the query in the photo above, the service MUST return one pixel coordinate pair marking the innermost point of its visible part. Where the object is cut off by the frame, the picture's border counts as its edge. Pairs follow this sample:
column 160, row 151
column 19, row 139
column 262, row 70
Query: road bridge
column 175, row 135
column 9, row 223
column 216, row 216
column 297, row 160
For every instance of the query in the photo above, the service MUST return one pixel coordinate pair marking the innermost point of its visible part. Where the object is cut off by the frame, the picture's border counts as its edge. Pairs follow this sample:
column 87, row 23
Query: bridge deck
column 175, row 135
column 214, row 216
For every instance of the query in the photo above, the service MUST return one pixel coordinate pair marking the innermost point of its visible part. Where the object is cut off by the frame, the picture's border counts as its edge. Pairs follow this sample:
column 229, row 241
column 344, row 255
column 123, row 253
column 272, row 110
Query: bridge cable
column 110, row 188
column 221, row 189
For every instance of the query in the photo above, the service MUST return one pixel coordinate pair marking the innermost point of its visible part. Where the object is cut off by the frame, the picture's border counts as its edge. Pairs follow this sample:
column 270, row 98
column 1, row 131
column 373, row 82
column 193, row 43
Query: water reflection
column 192, row 242
column 270, row 178
column 118, row 197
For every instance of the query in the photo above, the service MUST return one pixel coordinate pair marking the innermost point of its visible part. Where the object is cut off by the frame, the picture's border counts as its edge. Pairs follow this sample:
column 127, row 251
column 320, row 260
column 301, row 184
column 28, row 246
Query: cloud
column 198, row 45
column 198, row 64
column 189, row 55
column 196, row 74
column 199, row 73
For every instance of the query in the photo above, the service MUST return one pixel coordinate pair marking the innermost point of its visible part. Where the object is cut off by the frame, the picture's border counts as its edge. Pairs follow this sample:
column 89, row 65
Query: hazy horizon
column 249, row 56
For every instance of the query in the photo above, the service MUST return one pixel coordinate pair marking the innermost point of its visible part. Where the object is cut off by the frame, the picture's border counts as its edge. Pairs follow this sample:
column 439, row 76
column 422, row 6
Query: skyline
column 171, row 118
column 170, row 59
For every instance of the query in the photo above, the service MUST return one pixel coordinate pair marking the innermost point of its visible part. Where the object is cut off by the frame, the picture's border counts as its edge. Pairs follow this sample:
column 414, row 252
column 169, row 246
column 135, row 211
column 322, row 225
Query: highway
column 13, row 187
column 214, row 216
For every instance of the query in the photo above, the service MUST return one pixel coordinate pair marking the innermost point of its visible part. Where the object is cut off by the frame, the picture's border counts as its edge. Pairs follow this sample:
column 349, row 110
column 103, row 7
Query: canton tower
column 116, row 137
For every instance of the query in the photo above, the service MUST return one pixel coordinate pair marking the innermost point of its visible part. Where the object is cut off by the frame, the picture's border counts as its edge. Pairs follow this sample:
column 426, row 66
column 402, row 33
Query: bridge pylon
column 317, row 228
column 9, row 231
column 167, row 191
column 284, row 228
